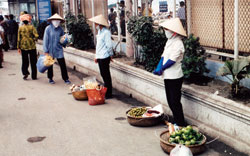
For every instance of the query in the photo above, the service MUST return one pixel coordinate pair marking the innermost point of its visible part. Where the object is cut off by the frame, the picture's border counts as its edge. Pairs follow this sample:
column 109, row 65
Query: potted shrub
column 238, row 69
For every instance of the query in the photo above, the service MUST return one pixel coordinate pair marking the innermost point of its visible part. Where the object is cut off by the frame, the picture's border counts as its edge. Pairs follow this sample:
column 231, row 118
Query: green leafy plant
column 40, row 29
column 193, row 63
column 238, row 69
column 151, row 39
column 82, row 36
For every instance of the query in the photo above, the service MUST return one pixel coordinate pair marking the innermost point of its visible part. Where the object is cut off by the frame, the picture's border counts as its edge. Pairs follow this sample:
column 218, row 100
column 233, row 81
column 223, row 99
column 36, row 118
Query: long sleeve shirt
column 104, row 44
column 181, row 13
column 51, row 41
column 173, row 50
column 27, row 35
column 1, row 35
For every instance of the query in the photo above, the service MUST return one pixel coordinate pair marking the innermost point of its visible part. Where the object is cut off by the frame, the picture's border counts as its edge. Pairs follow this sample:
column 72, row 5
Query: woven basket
column 167, row 147
column 144, row 121
column 80, row 95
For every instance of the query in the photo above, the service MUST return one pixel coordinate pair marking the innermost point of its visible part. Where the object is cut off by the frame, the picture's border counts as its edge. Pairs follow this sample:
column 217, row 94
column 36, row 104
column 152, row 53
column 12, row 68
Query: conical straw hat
column 56, row 17
column 100, row 19
column 174, row 25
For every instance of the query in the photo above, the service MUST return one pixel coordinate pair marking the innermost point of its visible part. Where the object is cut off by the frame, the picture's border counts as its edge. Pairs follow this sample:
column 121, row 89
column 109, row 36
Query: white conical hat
column 174, row 24
column 56, row 17
column 100, row 19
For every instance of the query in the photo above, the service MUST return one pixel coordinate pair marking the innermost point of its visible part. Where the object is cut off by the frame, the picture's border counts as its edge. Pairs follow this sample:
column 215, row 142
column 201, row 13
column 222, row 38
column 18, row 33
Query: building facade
column 17, row 6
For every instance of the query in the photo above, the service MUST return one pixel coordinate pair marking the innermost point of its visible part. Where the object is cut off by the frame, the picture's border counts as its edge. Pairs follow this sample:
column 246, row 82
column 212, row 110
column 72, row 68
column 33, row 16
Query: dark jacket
column 13, row 27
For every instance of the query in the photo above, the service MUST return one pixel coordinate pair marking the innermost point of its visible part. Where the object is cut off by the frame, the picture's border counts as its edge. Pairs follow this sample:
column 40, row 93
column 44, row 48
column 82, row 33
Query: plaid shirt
column 27, row 35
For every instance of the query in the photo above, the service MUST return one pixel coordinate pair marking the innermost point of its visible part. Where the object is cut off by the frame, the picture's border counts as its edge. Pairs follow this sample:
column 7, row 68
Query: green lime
column 193, row 141
column 198, row 136
column 178, row 133
column 187, row 143
column 177, row 138
column 190, row 137
column 182, row 142
column 189, row 127
column 187, row 131
column 171, row 140
column 173, row 135
column 185, row 137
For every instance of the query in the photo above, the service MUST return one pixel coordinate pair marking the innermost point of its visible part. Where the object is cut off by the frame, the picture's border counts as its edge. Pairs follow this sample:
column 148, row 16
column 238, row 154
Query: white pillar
column 74, row 8
column 118, row 26
column 129, row 41
column 146, row 4
column 65, row 13
column 93, row 14
column 236, row 29
column 174, row 8
column 135, row 7
column 189, row 16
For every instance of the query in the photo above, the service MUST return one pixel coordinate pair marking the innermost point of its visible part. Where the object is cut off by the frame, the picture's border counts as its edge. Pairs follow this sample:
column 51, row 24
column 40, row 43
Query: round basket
column 143, row 121
column 167, row 147
column 80, row 95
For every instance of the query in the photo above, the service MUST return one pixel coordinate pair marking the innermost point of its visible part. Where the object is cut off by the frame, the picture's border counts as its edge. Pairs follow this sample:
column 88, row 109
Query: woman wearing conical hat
column 104, row 51
column 170, row 67
column 53, row 47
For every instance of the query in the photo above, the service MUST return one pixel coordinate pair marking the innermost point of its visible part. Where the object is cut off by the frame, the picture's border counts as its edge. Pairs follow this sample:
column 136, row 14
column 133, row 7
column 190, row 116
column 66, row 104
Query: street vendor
column 26, row 45
column 104, row 51
column 170, row 67
column 53, row 47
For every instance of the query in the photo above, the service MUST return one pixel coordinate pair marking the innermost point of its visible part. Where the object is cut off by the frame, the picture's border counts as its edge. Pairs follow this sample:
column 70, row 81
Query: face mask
column 56, row 23
column 98, row 27
column 168, row 34
column 25, row 22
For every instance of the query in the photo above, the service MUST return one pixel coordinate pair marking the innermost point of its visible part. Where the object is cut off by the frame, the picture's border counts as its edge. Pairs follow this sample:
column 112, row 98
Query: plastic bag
column 90, row 82
column 181, row 150
column 96, row 96
column 48, row 61
column 65, row 39
column 40, row 64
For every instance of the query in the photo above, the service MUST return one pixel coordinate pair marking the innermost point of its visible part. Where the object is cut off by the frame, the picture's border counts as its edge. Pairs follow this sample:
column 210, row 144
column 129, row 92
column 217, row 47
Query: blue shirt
column 51, row 41
column 104, row 44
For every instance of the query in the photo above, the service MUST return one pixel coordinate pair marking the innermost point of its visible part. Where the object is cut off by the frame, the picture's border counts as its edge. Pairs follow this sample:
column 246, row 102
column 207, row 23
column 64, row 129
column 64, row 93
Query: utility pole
column 236, row 29
column 129, row 41
column 93, row 24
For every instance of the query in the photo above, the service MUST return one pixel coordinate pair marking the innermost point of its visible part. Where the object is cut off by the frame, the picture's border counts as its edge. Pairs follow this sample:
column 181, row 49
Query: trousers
column 173, row 93
column 29, row 56
column 64, row 73
column 12, row 38
column 105, row 73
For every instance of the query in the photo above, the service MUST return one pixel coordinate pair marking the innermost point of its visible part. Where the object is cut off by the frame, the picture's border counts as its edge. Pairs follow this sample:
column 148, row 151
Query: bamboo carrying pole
column 236, row 29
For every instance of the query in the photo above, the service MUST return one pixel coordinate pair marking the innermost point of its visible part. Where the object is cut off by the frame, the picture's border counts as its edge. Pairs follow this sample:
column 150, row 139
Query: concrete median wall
column 213, row 114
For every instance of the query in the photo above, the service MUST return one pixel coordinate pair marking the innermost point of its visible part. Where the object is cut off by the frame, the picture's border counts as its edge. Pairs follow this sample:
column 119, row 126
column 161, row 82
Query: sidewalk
column 72, row 128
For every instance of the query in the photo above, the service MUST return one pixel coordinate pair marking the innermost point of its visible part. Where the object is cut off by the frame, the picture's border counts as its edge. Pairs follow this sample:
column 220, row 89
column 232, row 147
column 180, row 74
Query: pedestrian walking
column 53, row 47
column 12, row 33
column 182, row 14
column 112, row 20
column 2, row 42
column 170, row 67
column 27, row 35
column 5, row 26
column 104, row 51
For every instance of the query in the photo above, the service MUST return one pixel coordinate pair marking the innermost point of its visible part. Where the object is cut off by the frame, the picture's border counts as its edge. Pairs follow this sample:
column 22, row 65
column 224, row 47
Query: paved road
column 72, row 128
